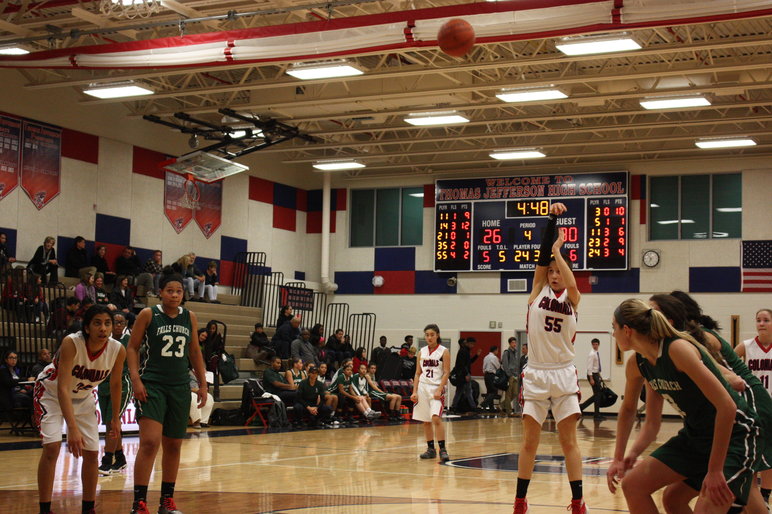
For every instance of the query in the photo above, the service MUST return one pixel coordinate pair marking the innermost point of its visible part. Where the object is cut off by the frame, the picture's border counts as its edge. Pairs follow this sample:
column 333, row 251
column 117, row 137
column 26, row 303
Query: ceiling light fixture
column 13, row 50
column 724, row 142
column 517, row 153
column 118, row 89
column 598, row 44
column 530, row 94
column 338, row 165
column 324, row 70
column 674, row 102
column 435, row 118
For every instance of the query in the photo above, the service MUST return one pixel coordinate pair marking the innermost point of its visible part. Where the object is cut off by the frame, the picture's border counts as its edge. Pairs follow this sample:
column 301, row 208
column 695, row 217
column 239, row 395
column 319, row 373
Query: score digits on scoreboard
column 496, row 224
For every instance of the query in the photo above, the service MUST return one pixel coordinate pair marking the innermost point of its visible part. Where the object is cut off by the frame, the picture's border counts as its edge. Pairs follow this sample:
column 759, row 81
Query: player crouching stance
column 719, row 447
column 64, row 391
column 431, row 375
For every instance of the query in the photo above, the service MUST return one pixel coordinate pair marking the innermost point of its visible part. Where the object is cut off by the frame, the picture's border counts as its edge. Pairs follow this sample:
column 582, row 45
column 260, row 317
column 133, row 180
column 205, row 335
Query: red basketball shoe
column 578, row 507
column 521, row 506
column 168, row 507
column 140, row 507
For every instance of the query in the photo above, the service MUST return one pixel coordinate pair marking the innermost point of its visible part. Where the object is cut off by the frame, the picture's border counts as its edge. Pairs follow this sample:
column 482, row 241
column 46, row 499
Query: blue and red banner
column 41, row 162
column 10, row 154
column 208, row 212
column 180, row 195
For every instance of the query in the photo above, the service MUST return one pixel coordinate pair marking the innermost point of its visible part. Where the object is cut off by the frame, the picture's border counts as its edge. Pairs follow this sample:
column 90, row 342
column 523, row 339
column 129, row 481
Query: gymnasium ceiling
column 725, row 54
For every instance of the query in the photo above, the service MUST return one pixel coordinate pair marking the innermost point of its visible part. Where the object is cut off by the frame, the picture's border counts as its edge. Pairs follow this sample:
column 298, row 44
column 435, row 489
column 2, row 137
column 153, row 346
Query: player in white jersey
column 550, row 380
column 431, row 376
column 757, row 353
column 64, row 392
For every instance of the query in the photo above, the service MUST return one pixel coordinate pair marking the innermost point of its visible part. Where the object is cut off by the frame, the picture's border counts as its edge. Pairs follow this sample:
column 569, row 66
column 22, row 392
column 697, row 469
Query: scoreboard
column 496, row 224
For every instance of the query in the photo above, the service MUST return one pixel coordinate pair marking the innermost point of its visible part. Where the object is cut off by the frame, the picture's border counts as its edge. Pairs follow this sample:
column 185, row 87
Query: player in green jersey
column 162, row 389
column 716, row 451
column 684, row 313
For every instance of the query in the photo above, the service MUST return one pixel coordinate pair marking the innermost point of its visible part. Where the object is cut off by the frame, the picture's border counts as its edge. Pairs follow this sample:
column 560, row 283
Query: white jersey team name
column 759, row 361
column 551, row 328
column 88, row 371
column 431, row 364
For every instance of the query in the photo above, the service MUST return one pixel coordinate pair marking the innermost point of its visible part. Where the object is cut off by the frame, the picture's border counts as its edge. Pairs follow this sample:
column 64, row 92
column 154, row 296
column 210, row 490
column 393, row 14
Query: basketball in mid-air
column 456, row 37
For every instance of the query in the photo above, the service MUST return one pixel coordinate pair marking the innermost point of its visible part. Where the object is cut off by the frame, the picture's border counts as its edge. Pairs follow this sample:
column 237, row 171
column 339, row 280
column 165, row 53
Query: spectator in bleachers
column 100, row 295
column 213, row 346
column 295, row 374
column 86, row 287
column 44, row 359
column 127, row 264
column 199, row 418
column 63, row 315
column 76, row 262
column 211, row 283
column 197, row 281
column 391, row 401
column 123, row 299
column 12, row 395
column 360, row 358
column 309, row 399
column 330, row 398
column 77, row 323
column 153, row 268
column 349, row 397
column 301, row 348
column 275, row 383
column 181, row 267
column 99, row 261
column 44, row 261
column 379, row 350
column 36, row 297
column 322, row 354
column 317, row 334
column 259, row 347
column 285, row 314
column 5, row 258
column 408, row 364
column 335, row 345
column 285, row 334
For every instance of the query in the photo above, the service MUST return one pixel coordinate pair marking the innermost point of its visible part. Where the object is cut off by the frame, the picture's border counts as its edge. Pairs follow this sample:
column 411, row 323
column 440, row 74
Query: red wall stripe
column 341, row 196
column 80, row 146
column 284, row 218
column 260, row 190
column 428, row 195
column 396, row 282
column 145, row 162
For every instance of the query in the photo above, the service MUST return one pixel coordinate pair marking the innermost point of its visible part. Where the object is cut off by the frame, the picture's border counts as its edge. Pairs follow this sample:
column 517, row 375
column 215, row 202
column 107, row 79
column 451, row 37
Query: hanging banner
column 209, row 208
column 180, row 197
column 41, row 162
column 10, row 154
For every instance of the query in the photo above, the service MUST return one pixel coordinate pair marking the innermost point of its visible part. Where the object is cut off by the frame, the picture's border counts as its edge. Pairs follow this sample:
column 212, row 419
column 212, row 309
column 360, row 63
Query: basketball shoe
column 430, row 453
column 444, row 457
column 119, row 464
column 521, row 506
column 140, row 507
column 106, row 466
column 578, row 507
column 168, row 507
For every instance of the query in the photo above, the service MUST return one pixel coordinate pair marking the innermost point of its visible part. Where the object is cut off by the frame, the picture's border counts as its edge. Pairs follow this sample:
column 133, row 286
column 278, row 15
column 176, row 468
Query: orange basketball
column 456, row 37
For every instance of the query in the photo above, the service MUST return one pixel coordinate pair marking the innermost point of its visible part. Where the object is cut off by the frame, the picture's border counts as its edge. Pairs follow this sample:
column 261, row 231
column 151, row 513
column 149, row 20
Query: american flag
column 757, row 266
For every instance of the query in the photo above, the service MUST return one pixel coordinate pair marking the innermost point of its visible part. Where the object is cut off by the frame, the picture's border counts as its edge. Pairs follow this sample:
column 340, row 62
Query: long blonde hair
column 184, row 261
column 651, row 323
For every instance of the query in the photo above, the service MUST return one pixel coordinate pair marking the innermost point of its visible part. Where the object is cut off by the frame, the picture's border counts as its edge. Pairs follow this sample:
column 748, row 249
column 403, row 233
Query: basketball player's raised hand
column 558, row 208
column 558, row 242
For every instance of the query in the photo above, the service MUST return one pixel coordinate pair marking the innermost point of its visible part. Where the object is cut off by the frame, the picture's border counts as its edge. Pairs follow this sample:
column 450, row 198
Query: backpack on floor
column 226, row 417
column 277, row 415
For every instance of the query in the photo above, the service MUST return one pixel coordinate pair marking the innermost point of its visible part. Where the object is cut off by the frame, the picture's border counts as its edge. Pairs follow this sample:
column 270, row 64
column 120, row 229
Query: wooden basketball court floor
column 368, row 469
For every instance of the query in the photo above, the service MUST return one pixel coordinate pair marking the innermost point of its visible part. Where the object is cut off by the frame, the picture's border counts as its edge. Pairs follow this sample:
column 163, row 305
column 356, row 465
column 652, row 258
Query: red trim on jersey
column 97, row 354
column 765, row 350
